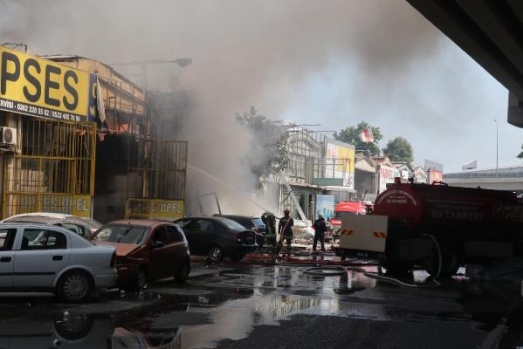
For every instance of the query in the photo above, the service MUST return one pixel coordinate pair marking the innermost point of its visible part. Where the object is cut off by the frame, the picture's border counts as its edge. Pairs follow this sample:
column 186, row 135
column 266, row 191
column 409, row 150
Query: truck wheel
column 398, row 269
column 449, row 261
column 450, row 264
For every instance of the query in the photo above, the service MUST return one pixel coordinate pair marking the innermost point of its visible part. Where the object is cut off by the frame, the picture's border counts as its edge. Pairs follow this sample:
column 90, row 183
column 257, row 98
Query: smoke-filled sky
column 330, row 62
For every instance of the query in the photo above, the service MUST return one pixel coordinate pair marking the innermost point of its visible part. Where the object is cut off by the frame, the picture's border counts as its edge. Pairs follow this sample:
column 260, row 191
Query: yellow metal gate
column 157, row 179
column 52, row 168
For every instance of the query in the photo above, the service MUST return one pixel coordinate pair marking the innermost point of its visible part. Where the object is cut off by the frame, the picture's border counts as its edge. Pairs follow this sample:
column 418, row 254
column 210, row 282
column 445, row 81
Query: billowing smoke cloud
column 245, row 53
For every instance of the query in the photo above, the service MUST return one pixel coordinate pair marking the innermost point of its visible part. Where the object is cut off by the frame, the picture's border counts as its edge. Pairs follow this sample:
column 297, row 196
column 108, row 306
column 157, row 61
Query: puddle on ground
column 229, row 305
column 84, row 331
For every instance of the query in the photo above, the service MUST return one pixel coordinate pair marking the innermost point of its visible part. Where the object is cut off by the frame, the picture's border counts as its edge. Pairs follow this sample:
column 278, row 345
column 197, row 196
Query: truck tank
column 441, row 208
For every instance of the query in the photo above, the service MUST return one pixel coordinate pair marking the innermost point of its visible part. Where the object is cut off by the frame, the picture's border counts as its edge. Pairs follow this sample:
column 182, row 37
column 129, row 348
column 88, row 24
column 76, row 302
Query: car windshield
column 341, row 214
column 126, row 234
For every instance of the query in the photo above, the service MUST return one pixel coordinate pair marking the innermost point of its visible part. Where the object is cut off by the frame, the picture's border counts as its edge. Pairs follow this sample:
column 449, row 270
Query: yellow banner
column 39, row 87
column 79, row 205
column 155, row 209
column 346, row 155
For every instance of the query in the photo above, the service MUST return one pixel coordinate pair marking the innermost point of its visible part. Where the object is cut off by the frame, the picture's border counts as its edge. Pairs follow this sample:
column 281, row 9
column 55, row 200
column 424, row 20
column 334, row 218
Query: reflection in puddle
column 277, row 293
column 235, row 319
column 82, row 331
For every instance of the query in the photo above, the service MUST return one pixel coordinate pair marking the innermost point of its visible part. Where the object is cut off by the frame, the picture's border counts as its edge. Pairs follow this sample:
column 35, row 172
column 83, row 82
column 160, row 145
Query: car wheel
column 74, row 286
column 73, row 328
column 183, row 274
column 215, row 254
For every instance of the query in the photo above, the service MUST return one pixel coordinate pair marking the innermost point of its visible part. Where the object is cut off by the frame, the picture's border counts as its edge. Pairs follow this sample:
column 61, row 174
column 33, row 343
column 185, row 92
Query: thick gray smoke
column 245, row 53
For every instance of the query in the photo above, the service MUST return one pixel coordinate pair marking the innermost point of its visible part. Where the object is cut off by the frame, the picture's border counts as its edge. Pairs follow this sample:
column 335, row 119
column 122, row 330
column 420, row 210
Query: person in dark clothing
column 285, row 228
column 270, row 225
column 319, row 232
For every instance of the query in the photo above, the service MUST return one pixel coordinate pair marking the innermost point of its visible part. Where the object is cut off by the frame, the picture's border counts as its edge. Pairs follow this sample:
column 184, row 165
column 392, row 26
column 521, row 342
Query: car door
column 197, row 234
column 43, row 254
column 7, row 256
column 177, row 245
column 160, row 253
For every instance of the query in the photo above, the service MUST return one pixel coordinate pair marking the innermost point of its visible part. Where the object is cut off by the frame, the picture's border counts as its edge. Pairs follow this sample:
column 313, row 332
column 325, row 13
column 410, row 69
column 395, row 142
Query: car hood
column 121, row 249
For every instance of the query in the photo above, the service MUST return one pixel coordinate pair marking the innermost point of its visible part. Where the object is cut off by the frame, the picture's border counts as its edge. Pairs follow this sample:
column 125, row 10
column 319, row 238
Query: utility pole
column 497, row 148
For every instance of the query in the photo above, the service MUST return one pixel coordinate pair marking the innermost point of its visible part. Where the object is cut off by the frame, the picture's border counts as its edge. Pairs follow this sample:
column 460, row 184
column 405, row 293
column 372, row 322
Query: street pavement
column 285, row 301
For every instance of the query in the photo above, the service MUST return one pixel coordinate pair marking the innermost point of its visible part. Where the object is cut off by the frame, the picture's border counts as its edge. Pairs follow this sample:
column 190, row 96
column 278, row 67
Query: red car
column 146, row 250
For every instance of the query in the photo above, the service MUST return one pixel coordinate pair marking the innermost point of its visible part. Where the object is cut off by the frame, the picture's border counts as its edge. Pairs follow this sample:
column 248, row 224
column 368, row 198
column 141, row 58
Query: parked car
column 251, row 222
column 38, row 257
column 147, row 250
column 302, row 231
column 218, row 237
column 82, row 226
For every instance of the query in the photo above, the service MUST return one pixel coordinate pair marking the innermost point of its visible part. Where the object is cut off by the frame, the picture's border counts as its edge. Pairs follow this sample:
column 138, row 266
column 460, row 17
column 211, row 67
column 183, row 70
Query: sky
column 332, row 62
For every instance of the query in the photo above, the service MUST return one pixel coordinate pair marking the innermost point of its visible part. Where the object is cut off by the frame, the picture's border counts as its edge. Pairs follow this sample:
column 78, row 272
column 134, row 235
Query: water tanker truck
column 436, row 227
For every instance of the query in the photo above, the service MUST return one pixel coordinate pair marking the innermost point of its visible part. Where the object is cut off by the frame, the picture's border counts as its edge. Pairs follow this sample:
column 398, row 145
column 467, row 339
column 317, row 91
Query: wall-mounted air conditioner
column 8, row 135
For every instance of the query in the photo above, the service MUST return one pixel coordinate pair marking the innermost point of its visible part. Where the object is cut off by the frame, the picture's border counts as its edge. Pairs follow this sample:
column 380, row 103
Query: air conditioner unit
column 8, row 135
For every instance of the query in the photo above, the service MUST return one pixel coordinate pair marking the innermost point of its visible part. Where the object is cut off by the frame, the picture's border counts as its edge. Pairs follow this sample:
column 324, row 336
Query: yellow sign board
column 78, row 205
column 35, row 86
column 154, row 208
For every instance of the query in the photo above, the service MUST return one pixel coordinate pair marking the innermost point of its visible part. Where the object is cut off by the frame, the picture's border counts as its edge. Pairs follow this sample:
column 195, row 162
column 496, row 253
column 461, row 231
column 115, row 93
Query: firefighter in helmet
column 285, row 228
column 270, row 223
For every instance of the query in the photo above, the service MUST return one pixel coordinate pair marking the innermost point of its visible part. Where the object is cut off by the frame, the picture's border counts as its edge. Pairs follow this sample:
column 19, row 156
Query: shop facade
column 77, row 137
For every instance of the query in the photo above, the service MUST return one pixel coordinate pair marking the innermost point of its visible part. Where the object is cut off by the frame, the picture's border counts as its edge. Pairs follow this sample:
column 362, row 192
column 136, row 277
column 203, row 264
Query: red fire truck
column 436, row 227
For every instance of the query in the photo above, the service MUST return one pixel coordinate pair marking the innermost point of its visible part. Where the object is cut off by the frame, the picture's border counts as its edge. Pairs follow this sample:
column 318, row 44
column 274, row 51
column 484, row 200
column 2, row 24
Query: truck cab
column 342, row 210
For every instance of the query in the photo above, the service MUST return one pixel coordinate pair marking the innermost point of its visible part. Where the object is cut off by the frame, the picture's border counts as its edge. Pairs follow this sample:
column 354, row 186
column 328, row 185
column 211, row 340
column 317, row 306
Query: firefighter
column 270, row 223
column 285, row 228
column 319, row 232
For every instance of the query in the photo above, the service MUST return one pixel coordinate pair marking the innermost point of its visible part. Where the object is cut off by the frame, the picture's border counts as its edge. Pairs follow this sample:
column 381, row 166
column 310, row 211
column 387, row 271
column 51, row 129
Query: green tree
column 399, row 150
column 351, row 135
column 268, row 153
column 520, row 155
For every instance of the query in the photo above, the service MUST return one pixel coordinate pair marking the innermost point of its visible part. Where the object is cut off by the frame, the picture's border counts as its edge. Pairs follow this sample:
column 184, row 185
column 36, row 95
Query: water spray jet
column 224, row 184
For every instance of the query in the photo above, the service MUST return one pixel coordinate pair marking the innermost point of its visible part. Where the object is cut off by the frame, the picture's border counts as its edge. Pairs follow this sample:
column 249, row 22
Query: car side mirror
column 157, row 244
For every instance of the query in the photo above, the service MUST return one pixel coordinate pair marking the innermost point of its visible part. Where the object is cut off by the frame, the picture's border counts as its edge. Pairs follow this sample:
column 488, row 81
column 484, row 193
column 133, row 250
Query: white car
column 82, row 226
column 303, row 232
column 38, row 257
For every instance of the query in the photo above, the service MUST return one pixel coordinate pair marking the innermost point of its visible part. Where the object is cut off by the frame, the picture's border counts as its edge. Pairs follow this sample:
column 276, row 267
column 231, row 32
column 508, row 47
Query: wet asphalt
column 294, row 301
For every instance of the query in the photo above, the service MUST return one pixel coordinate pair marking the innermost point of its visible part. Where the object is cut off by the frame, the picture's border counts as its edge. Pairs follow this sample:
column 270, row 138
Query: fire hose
column 336, row 270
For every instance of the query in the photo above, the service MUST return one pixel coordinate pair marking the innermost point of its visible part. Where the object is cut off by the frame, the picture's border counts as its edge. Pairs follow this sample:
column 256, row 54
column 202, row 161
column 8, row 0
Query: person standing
column 319, row 232
column 285, row 228
column 270, row 229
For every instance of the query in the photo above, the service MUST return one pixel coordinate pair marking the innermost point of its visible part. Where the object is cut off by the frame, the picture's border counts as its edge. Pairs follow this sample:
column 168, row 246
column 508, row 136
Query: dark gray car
column 217, row 237
column 254, row 223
